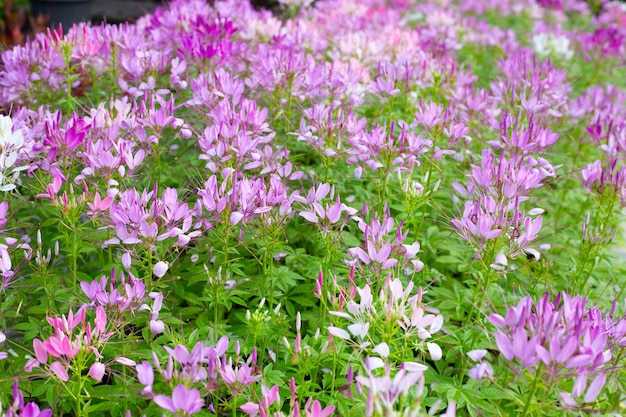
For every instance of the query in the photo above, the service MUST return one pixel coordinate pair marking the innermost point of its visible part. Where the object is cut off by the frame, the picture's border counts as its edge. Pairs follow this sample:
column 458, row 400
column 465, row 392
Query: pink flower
column 59, row 371
column 481, row 370
column 240, row 376
column 160, row 268
column 594, row 388
column 183, row 401
column 250, row 409
column 316, row 409
column 32, row 410
column 99, row 205
column 52, row 189
column 145, row 375
column 40, row 351
column 96, row 371
column 157, row 326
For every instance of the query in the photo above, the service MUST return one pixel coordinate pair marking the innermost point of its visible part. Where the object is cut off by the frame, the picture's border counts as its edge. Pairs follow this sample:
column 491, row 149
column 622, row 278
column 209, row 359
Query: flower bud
column 160, row 268
column 97, row 371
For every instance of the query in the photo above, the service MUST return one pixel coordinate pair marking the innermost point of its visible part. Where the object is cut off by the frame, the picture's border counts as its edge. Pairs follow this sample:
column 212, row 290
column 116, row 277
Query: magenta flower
column 4, row 209
column 184, row 402
column 32, row 410
column 316, row 410
column 18, row 408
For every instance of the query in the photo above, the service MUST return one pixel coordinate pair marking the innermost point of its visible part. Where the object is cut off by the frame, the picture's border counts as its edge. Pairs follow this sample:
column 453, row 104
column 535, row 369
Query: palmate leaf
column 284, row 278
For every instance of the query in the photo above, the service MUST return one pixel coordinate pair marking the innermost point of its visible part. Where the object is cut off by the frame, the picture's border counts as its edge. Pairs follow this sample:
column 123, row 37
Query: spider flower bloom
column 160, row 268
column 12, row 149
column 184, row 402
column 570, row 339
column 18, row 408
column 316, row 409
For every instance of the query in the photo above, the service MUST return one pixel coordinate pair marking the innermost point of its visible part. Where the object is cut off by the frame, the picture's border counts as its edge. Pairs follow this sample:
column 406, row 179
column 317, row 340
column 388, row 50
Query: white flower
column 414, row 367
column 338, row 332
column 545, row 44
column 382, row 349
column 434, row 350
column 359, row 329
column 11, row 147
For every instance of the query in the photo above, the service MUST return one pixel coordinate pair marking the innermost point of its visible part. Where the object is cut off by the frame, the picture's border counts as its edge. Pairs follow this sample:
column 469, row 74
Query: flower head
column 184, row 402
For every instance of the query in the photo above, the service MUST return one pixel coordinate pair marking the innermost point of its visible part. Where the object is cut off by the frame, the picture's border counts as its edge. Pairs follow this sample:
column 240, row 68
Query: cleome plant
column 339, row 208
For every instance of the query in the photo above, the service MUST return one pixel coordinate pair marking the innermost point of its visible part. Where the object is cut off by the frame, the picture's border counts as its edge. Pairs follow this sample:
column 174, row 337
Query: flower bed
column 354, row 208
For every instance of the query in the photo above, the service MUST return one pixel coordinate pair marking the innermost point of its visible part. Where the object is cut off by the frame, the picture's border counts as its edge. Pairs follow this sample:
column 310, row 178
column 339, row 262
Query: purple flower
column 18, row 408
column 239, row 377
column 184, row 402
column 570, row 339
column 32, row 410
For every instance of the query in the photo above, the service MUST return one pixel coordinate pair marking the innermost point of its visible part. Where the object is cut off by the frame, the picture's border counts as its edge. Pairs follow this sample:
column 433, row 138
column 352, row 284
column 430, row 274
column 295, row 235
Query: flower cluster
column 15, row 152
column 19, row 408
column 146, row 219
column 394, row 308
column 397, row 396
column 563, row 339
column 220, row 210
column 73, row 340
column 380, row 253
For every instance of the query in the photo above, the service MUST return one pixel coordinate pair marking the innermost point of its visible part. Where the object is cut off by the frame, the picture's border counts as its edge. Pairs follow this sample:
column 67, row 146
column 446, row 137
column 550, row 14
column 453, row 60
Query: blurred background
column 19, row 18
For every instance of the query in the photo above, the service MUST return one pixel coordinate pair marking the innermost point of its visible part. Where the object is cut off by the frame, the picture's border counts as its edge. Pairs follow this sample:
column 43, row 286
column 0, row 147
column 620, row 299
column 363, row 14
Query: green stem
column 226, row 242
column 215, row 312
column 150, row 267
column 383, row 192
column 234, row 405
column 67, row 55
column 533, row 389
column 79, row 395
column 74, row 258
column 267, row 272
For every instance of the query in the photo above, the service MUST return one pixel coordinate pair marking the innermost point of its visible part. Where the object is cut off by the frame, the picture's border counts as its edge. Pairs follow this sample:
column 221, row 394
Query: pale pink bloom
column 160, row 268
column 96, row 371
column 145, row 375
column 183, row 399
column 477, row 355
column 594, row 388
column 125, row 361
column 58, row 369
column 126, row 260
